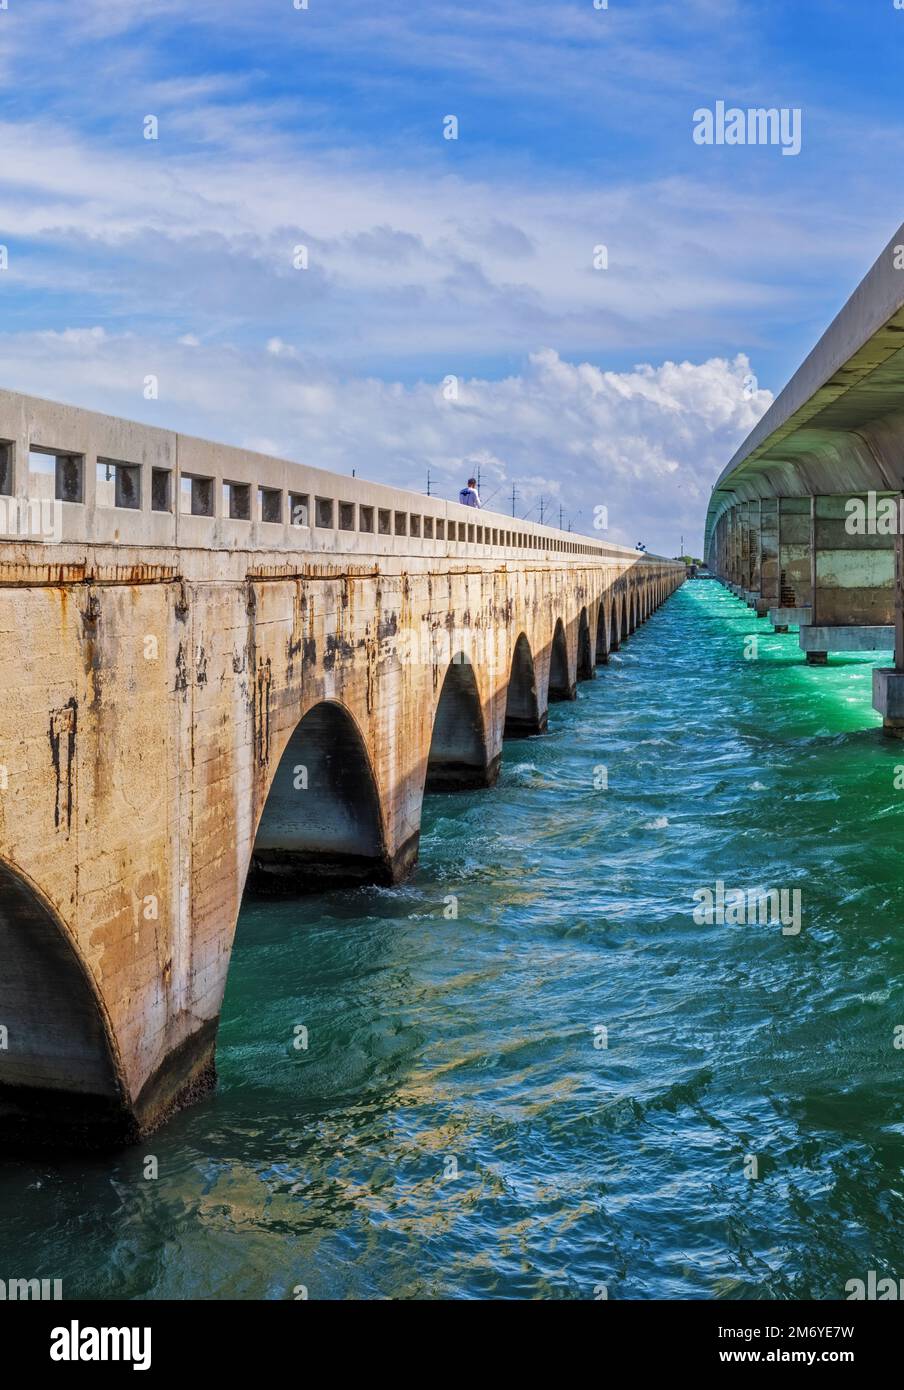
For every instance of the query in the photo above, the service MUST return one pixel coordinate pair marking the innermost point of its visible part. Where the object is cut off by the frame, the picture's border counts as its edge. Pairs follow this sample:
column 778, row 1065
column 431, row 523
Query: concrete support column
column 795, row 582
column 744, row 579
column 795, row 578
column 769, row 566
column 753, row 530
column 888, row 682
column 852, row 573
column 735, row 575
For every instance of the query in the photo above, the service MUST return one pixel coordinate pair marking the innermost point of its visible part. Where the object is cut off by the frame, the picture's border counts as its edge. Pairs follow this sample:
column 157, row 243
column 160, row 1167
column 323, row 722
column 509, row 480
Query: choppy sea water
column 454, row 1129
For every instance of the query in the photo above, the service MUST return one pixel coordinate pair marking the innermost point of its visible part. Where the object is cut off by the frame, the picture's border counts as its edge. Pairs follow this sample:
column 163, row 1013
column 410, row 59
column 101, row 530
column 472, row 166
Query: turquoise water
column 434, row 1038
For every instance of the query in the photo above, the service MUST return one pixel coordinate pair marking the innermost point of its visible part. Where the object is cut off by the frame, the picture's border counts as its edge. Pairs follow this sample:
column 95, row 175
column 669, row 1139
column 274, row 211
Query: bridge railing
column 68, row 474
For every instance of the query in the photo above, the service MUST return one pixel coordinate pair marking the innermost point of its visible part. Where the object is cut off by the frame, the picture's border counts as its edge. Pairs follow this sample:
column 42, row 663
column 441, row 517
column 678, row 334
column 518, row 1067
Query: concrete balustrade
column 122, row 483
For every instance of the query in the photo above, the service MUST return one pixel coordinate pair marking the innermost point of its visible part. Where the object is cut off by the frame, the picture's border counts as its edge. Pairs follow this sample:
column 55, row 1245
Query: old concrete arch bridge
column 216, row 663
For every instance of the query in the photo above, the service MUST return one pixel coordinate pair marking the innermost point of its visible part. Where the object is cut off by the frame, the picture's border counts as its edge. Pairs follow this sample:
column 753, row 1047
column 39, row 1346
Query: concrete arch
column 614, row 625
column 61, row 1071
column 602, row 634
column 321, row 824
column 560, row 685
column 458, row 759
column 522, row 706
column 586, row 665
column 623, row 615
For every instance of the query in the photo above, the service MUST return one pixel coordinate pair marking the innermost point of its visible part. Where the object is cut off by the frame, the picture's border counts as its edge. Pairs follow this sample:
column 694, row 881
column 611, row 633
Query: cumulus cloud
column 644, row 444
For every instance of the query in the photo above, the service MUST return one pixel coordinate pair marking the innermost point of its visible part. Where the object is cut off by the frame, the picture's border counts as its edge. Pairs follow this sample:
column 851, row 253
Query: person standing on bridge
column 469, row 496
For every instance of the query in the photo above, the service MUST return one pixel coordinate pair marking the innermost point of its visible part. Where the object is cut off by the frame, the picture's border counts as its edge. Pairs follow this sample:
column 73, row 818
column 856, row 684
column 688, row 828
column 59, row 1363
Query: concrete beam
column 818, row 640
column 783, row 618
column 888, row 699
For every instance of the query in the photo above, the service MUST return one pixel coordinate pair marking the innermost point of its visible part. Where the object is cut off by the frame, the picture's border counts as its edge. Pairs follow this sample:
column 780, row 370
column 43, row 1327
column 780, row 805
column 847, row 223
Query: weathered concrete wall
column 173, row 716
column 746, row 539
column 145, row 714
column 770, row 568
column 853, row 577
column 753, row 532
column 795, row 575
column 733, row 545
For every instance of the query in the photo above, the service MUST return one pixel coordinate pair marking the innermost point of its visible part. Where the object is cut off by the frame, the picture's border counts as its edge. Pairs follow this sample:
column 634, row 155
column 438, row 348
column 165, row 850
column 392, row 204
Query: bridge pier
column 339, row 845
column 586, row 665
column 753, row 576
column 562, row 686
column 739, row 566
column 783, row 618
column 888, row 682
column 458, row 759
column 601, row 645
column 523, row 716
column 744, row 549
column 888, row 699
column 770, row 571
column 852, row 583
column 795, row 583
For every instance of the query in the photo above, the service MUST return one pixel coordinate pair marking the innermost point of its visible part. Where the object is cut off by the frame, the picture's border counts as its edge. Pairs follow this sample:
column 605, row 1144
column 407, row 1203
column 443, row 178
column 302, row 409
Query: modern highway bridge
column 217, row 666
column 805, row 522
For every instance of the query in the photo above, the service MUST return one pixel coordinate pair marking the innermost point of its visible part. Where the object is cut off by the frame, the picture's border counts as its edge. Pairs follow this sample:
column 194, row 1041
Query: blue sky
column 431, row 258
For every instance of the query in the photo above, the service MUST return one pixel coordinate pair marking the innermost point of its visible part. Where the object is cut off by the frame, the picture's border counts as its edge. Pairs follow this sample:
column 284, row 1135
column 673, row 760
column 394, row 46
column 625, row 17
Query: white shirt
column 468, row 497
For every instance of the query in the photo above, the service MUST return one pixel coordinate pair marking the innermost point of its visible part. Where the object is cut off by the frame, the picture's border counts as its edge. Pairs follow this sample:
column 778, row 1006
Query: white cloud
column 404, row 267
column 646, row 443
